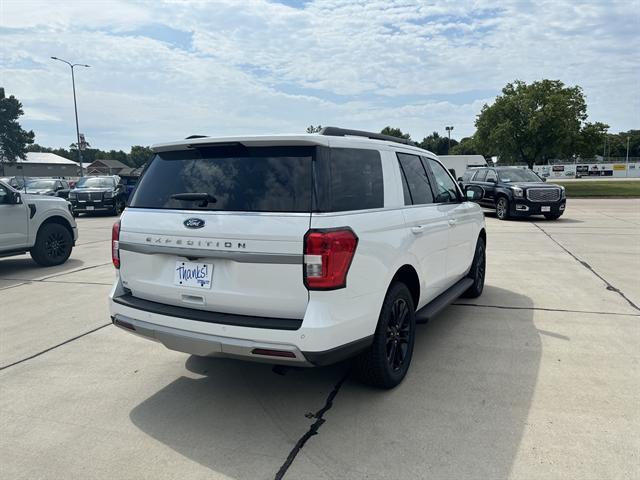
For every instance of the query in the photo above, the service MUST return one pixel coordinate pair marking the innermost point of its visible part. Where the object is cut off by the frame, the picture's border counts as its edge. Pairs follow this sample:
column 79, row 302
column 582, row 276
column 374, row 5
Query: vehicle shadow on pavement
column 26, row 269
column 236, row 418
column 460, row 413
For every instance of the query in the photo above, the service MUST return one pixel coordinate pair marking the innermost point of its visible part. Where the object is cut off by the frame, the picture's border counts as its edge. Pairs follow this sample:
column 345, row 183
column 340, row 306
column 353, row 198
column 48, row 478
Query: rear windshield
column 229, row 178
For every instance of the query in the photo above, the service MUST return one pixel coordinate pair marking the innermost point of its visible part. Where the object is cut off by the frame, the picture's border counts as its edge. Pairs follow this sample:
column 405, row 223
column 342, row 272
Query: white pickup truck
column 41, row 225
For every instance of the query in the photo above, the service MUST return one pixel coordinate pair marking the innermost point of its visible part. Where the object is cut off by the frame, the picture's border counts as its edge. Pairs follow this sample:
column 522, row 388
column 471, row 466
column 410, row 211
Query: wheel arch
column 408, row 275
column 60, row 221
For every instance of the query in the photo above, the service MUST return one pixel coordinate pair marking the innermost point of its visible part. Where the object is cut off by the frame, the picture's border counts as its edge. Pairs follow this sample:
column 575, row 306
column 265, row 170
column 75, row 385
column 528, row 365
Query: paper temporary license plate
column 193, row 274
column 545, row 209
column 90, row 207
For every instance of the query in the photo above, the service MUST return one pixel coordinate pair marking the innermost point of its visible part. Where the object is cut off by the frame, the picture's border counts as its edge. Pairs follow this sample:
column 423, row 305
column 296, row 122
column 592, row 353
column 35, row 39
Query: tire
column 118, row 207
column 53, row 245
column 387, row 361
column 552, row 216
column 477, row 272
column 502, row 208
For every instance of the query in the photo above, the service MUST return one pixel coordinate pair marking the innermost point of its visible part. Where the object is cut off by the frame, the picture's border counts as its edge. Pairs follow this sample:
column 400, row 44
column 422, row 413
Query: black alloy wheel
column 477, row 272
column 386, row 362
column 53, row 245
column 398, row 332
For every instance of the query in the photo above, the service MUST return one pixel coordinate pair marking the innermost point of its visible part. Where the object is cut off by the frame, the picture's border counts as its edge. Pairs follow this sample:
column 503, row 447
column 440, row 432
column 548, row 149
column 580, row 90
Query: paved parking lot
column 537, row 378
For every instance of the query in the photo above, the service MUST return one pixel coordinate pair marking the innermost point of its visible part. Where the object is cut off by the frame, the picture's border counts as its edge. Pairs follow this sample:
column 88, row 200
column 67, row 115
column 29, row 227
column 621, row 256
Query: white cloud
column 267, row 67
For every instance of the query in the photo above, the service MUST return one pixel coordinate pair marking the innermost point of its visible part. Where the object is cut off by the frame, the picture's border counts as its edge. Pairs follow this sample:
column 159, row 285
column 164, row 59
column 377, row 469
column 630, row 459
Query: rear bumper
column 329, row 333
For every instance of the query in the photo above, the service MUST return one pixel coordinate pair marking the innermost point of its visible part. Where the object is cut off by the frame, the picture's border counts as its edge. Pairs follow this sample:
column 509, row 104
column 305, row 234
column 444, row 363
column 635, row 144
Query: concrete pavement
column 537, row 378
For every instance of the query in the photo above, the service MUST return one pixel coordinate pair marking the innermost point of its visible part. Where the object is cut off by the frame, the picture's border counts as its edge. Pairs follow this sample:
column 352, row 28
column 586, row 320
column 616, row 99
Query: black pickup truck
column 516, row 192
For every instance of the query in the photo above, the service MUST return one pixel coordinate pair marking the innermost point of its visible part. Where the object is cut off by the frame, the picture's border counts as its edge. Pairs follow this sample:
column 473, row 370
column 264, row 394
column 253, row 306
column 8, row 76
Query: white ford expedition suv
column 39, row 224
column 297, row 250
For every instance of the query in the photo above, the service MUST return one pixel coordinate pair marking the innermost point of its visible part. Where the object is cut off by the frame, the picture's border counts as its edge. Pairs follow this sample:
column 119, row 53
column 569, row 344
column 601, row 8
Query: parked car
column 299, row 250
column 98, row 194
column 39, row 224
column 517, row 192
column 48, row 186
column 15, row 182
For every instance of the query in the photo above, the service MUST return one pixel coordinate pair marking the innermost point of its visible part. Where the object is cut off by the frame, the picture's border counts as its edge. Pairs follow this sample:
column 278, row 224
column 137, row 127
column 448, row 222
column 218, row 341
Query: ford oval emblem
column 194, row 223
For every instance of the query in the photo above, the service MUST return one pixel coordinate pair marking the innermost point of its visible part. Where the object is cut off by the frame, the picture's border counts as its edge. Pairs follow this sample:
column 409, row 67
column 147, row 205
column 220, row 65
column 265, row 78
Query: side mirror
column 544, row 179
column 16, row 199
column 473, row 192
column 492, row 180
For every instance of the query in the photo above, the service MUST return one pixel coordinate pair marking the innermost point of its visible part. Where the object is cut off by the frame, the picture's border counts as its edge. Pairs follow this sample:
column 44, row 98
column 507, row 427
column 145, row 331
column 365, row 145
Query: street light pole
column 448, row 129
column 75, row 106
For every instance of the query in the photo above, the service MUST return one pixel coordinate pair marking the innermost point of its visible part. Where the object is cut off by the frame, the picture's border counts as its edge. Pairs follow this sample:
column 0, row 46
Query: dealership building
column 41, row 164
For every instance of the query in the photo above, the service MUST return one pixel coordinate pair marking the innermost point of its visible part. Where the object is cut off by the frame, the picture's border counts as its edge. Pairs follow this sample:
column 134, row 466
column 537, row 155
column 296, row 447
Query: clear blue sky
column 164, row 71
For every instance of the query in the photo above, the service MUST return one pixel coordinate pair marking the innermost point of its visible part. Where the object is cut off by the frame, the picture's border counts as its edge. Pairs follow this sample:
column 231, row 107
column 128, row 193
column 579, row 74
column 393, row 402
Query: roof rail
column 195, row 136
column 343, row 132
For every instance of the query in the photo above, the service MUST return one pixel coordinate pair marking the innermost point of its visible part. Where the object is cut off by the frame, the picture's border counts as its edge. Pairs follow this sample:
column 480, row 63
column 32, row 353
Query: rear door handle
column 453, row 222
column 417, row 230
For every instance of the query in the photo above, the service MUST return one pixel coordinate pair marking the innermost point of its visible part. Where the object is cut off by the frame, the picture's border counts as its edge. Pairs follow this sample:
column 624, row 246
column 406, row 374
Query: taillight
column 115, row 244
column 327, row 257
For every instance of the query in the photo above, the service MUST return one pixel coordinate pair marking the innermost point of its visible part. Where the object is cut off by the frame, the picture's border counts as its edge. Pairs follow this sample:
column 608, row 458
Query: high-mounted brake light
column 115, row 244
column 327, row 257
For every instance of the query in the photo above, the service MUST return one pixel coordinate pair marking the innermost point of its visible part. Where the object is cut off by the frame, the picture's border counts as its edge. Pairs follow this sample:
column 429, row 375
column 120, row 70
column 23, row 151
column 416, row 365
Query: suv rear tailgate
column 221, row 228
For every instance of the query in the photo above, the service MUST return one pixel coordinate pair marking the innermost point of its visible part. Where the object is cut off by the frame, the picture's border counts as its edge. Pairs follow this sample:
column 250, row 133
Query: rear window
column 231, row 178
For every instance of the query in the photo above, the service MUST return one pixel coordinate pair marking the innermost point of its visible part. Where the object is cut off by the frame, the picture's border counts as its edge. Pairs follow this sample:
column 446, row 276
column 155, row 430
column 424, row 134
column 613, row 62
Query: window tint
column 236, row 178
column 4, row 195
column 446, row 190
column 355, row 179
column 480, row 176
column 416, row 179
column 491, row 174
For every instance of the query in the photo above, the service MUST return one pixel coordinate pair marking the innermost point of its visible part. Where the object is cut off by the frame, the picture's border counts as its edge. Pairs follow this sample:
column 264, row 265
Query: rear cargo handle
column 193, row 299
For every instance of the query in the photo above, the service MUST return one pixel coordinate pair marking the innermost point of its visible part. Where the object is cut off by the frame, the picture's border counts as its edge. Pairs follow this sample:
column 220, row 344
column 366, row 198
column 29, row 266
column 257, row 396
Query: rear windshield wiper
column 204, row 198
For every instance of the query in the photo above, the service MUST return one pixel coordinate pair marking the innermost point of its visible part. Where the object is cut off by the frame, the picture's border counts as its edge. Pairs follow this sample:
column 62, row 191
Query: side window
column 491, row 176
column 356, row 179
column 480, row 176
column 445, row 186
column 467, row 175
column 416, row 180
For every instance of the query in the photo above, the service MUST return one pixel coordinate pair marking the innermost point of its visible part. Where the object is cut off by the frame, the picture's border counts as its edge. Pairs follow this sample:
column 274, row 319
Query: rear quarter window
column 348, row 179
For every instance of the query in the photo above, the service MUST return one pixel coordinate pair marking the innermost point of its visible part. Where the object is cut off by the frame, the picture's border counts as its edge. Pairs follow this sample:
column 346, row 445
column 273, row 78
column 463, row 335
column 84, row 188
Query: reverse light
column 328, row 254
column 115, row 244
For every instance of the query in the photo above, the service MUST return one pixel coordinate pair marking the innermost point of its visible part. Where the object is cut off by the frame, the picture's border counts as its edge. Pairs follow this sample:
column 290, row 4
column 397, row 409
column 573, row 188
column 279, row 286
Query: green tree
column 13, row 138
column 617, row 144
column 532, row 123
column 591, row 139
column 312, row 129
column 395, row 132
column 467, row 146
column 437, row 144
column 139, row 155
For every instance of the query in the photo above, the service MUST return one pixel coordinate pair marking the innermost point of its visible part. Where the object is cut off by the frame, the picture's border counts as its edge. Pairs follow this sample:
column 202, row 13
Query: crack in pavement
column 54, row 347
column 610, row 287
column 313, row 429
column 544, row 309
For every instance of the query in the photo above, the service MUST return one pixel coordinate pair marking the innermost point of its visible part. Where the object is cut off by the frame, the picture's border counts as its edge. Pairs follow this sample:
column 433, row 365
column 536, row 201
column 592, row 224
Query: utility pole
column 448, row 129
column 75, row 106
